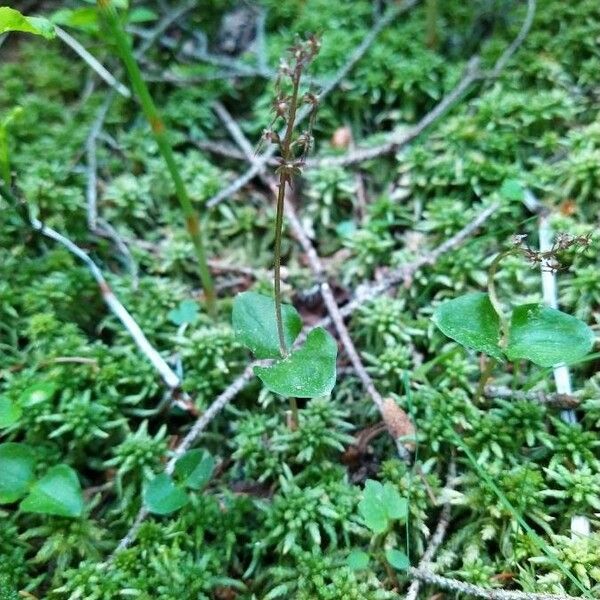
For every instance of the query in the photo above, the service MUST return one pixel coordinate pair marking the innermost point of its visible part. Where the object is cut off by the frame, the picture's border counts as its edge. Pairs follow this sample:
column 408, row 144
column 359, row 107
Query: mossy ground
column 280, row 516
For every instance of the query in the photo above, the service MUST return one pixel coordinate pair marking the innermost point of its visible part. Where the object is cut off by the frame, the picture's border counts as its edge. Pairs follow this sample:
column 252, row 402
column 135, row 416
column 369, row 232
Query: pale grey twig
column 167, row 374
column 551, row 399
column 425, row 574
column 92, row 62
column 402, row 138
column 438, row 535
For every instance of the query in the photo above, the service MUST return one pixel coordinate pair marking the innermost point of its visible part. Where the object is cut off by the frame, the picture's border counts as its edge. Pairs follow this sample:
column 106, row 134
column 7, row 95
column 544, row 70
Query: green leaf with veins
column 162, row 497
column 547, row 336
column 57, row 493
column 380, row 505
column 471, row 321
column 255, row 325
column 306, row 373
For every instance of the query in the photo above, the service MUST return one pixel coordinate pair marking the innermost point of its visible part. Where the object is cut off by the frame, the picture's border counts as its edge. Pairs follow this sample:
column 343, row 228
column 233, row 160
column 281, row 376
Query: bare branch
column 438, row 535
column 556, row 399
column 92, row 62
column 425, row 574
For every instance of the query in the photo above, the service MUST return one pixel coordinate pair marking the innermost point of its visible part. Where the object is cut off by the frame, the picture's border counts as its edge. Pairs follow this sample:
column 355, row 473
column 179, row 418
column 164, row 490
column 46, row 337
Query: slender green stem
column 277, row 264
column 151, row 113
column 284, row 178
column 491, row 285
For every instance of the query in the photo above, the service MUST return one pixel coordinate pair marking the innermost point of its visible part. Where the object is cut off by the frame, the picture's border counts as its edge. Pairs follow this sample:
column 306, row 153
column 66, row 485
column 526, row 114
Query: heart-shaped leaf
column 162, row 497
column 57, row 493
column 471, row 321
column 195, row 468
column 10, row 413
column 13, row 20
column 547, row 336
column 381, row 504
column 255, row 325
column 306, row 373
column 186, row 312
column 397, row 559
column 17, row 464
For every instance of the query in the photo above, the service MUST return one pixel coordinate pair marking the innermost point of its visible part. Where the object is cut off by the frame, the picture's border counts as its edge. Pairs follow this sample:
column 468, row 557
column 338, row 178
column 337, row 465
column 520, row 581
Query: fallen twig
column 92, row 62
column 553, row 399
column 426, row 575
column 167, row 374
column 438, row 535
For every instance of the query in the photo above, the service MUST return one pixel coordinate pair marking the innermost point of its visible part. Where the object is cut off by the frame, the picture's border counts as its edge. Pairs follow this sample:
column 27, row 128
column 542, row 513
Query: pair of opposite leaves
column 307, row 372
column 543, row 335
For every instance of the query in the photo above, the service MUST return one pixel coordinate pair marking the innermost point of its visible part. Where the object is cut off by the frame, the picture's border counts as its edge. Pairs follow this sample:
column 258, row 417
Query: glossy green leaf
column 186, row 312
column 57, row 493
column 471, row 321
column 13, row 20
column 397, row 559
column 10, row 413
column 17, row 464
column 306, row 373
column 38, row 393
column 194, row 469
column 162, row 497
column 255, row 325
column 547, row 336
column 357, row 560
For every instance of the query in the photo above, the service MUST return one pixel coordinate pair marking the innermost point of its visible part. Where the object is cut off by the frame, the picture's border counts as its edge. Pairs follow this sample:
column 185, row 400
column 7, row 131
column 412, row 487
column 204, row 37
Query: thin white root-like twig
column 92, row 62
column 580, row 524
column 426, row 575
column 167, row 374
column 550, row 399
column 355, row 56
column 438, row 535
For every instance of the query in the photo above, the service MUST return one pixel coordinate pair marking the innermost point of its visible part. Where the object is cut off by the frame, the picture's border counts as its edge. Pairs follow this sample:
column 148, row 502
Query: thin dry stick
column 240, row 382
column 517, row 42
column 438, row 535
column 213, row 410
column 400, row 139
column 425, row 574
column 356, row 55
column 92, row 62
column 551, row 399
column 580, row 524
column 472, row 75
column 167, row 374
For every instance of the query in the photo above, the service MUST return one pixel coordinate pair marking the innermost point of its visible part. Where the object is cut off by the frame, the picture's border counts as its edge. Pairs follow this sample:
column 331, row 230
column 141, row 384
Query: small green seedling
column 543, row 335
column 164, row 495
column 380, row 507
column 57, row 493
column 308, row 372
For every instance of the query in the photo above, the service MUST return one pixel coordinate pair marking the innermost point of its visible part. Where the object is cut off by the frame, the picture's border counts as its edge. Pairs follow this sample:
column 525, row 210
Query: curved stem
column 157, row 126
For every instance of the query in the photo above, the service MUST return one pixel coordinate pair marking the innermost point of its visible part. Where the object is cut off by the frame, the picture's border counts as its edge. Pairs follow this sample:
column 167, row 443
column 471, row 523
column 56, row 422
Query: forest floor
column 140, row 455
